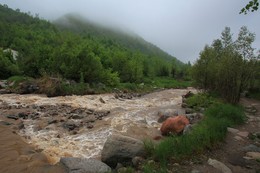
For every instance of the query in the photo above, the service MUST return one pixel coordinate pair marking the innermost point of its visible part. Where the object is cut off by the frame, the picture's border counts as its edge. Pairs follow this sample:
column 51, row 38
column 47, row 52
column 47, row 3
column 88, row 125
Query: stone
column 5, row 123
column 251, row 148
column 137, row 161
column 90, row 119
column 23, row 115
column 102, row 100
column 191, row 117
column 121, row 149
column 187, row 129
column 174, row 125
column 253, row 155
column 189, row 111
column 219, row 165
column 232, row 130
column 83, row 165
column 70, row 125
column 238, row 138
column 195, row 171
column 14, row 117
column 243, row 134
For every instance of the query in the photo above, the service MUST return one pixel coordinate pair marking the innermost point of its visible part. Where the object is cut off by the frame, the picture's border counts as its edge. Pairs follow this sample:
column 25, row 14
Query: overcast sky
column 180, row 27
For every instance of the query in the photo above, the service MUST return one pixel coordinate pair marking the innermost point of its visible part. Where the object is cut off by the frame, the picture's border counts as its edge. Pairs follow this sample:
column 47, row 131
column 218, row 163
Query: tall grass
column 206, row 134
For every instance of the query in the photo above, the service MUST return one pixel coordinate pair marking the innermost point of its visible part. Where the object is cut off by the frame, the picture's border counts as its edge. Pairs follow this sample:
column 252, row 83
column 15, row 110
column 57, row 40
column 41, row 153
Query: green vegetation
column 205, row 135
column 228, row 67
column 78, row 50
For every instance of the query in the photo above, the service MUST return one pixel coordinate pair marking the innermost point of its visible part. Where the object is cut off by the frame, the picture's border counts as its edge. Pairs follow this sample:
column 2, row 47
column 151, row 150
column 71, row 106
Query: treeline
column 229, row 67
column 43, row 48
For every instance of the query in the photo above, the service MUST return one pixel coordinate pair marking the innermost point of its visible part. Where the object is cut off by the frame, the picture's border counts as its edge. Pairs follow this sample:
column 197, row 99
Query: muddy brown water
column 136, row 118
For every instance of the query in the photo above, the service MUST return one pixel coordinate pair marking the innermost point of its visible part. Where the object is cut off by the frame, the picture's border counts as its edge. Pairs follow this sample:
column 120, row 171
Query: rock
column 253, row 155
column 90, row 119
column 83, row 165
column 188, row 94
column 70, row 125
column 191, row 117
column 184, row 105
column 164, row 114
column 187, row 129
column 14, row 117
column 5, row 91
column 219, row 165
column 232, row 130
column 90, row 126
column 189, row 111
column 5, row 123
column 243, row 134
column 78, row 116
column 251, row 148
column 23, row 115
column 121, row 149
column 238, row 138
column 195, row 171
column 174, row 125
column 137, row 161
column 102, row 100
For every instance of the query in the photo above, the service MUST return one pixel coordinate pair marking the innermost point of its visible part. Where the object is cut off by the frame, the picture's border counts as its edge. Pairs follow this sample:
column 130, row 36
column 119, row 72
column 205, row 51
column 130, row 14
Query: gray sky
column 180, row 27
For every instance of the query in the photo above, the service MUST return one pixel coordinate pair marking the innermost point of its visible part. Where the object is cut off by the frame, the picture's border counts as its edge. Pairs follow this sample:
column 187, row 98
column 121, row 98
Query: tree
column 252, row 6
column 227, row 67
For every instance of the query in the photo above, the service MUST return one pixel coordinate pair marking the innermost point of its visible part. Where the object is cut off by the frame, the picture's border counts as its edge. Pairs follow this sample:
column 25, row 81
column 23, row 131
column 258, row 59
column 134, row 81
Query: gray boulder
column 83, row 165
column 121, row 149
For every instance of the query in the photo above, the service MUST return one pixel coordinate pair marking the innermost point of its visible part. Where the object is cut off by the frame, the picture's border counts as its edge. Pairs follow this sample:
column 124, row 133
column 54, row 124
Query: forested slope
column 78, row 51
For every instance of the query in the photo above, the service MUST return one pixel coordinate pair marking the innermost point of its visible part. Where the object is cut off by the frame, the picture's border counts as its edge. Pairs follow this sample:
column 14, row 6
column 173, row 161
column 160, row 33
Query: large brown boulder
column 174, row 125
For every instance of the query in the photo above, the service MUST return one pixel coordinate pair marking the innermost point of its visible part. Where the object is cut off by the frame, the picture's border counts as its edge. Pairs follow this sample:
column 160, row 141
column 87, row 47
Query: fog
column 181, row 28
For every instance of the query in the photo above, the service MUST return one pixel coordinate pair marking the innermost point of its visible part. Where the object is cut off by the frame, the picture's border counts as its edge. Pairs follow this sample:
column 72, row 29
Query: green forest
column 78, row 50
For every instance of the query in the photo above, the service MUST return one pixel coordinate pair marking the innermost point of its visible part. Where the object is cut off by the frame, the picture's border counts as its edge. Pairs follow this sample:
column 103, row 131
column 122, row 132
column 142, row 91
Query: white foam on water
column 89, row 143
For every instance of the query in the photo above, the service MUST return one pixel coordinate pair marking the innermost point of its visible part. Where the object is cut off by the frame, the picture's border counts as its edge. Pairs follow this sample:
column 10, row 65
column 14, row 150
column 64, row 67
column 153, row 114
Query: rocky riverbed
column 78, row 126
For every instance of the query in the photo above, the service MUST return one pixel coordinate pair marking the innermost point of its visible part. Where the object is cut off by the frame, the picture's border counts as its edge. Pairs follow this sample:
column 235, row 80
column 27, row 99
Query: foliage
column 8, row 65
column 252, row 6
column 207, row 133
column 78, row 49
column 227, row 67
column 201, row 100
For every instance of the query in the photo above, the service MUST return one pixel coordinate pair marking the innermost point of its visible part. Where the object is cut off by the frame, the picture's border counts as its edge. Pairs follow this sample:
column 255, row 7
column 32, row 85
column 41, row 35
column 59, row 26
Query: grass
column 201, row 100
column 205, row 135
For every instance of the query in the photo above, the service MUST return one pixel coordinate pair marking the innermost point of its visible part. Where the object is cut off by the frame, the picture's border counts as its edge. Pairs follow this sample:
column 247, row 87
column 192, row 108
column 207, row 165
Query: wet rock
column 14, row 117
column 90, row 126
column 238, row 138
column 243, row 134
column 251, row 148
column 184, row 105
column 187, row 129
column 121, row 149
column 5, row 91
column 195, row 171
column 165, row 114
column 174, row 125
column 5, row 123
column 137, row 161
column 23, row 115
column 191, row 117
column 253, row 155
column 219, row 165
column 232, row 130
column 90, row 119
column 102, row 100
column 53, row 121
column 188, row 94
column 77, row 116
column 83, row 165
column 89, row 111
column 189, row 111
column 70, row 125
column 20, row 125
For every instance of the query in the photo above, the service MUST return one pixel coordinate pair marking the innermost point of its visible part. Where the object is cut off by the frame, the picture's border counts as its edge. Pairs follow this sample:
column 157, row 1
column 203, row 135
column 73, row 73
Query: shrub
column 207, row 133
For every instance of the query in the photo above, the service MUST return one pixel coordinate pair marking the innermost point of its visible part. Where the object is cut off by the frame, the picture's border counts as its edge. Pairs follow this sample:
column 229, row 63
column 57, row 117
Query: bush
column 207, row 133
column 201, row 100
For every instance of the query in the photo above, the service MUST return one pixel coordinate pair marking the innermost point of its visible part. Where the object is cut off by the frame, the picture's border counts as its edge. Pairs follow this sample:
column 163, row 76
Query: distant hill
column 79, row 24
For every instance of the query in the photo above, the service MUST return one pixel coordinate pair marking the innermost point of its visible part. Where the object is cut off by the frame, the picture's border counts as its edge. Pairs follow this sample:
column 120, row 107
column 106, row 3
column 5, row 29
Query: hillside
column 78, row 50
column 132, row 41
